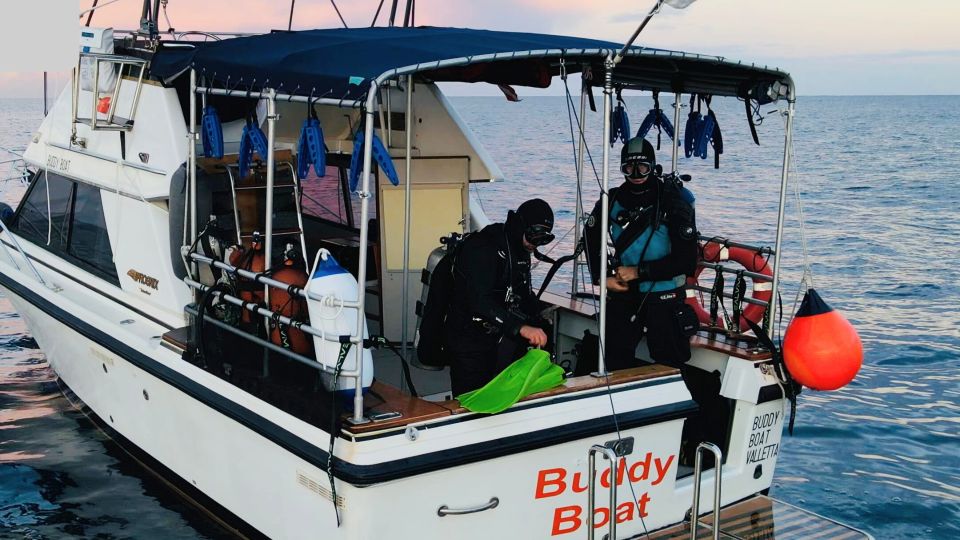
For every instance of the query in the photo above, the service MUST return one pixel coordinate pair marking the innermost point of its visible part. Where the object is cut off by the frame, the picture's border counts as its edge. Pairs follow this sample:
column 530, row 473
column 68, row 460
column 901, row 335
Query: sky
column 831, row 47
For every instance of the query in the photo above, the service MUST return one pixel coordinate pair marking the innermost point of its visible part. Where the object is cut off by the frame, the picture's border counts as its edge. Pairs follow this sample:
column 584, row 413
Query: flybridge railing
column 111, row 121
column 272, row 316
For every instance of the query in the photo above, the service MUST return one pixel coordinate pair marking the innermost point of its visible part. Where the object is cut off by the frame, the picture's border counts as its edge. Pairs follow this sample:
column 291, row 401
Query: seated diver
column 653, row 231
column 493, row 314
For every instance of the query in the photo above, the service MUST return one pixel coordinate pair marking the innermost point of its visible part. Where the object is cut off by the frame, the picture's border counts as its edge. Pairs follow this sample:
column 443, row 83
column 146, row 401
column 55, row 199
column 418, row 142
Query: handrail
column 291, row 289
column 270, row 315
column 746, row 299
column 447, row 511
column 719, row 267
column 261, row 94
column 611, row 455
column 697, row 470
column 727, row 243
column 273, row 316
column 309, row 362
column 16, row 243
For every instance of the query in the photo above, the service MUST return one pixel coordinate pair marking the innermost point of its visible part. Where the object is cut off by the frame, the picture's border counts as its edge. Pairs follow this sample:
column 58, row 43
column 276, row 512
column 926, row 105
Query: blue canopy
column 340, row 63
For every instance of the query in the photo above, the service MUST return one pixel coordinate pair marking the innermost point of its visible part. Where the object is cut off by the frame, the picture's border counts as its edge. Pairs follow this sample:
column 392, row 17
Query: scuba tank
column 434, row 303
column 252, row 259
column 332, row 282
column 291, row 272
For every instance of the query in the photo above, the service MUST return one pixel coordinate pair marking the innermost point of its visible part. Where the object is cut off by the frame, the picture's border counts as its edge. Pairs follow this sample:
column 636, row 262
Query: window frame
column 62, row 248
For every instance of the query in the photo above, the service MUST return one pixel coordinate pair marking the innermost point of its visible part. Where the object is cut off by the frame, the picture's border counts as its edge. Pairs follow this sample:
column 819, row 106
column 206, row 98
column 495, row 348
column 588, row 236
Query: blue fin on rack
column 251, row 140
column 311, row 150
column 212, row 133
column 379, row 153
column 620, row 128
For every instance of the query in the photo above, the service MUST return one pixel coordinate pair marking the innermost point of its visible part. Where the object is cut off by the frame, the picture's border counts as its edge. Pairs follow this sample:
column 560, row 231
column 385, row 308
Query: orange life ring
column 752, row 261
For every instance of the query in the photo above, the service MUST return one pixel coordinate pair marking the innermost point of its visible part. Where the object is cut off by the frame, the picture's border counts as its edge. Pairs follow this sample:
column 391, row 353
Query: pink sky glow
column 830, row 46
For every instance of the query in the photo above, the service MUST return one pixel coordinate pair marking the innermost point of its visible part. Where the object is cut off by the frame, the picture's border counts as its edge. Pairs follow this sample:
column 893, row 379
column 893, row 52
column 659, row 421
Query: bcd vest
column 658, row 248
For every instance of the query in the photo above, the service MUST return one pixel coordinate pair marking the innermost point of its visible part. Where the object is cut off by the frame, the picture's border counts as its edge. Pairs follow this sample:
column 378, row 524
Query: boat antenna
column 290, row 22
column 393, row 12
column 90, row 14
column 408, row 13
column 377, row 14
column 678, row 4
column 335, row 8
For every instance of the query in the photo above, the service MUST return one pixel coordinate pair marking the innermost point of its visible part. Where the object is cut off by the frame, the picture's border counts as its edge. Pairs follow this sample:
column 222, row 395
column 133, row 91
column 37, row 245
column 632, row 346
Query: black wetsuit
column 492, row 299
column 662, row 205
column 657, row 314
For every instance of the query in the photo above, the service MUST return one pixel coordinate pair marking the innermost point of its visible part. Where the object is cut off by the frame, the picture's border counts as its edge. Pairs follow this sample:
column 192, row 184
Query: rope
column 341, row 357
column 806, row 280
column 593, row 297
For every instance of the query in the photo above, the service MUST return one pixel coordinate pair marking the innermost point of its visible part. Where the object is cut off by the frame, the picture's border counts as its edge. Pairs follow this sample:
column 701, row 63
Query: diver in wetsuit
column 494, row 312
column 654, row 235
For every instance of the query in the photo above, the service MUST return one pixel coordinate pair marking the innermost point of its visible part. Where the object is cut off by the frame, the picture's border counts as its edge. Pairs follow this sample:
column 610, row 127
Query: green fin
column 532, row 373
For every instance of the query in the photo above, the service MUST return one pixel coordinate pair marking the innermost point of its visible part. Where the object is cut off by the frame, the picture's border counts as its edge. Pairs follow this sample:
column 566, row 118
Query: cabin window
column 89, row 242
column 329, row 197
column 323, row 196
column 42, row 219
column 66, row 218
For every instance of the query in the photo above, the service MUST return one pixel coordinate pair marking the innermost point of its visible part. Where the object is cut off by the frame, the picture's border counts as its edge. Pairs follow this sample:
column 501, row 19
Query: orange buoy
column 821, row 348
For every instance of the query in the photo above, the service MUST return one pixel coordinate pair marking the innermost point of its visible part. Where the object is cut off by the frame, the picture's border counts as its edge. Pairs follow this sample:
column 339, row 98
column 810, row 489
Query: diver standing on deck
column 654, row 235
column 653, row 232
column 493, row 312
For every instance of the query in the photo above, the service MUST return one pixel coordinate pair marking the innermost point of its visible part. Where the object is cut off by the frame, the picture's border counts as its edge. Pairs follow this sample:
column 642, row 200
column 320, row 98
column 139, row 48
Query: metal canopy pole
column 675, row 154
column 408, row 181
column 784, row 177
column 604, row 215
column 192, row 167
column 364, row 194
column 268, row 224
column 578, row 213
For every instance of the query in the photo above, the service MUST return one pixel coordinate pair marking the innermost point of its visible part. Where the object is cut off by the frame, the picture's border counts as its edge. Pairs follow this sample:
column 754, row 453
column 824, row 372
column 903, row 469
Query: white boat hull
column 269, row 469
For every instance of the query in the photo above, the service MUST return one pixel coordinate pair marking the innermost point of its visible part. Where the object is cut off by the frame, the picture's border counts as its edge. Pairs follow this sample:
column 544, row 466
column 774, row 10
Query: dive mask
column 539, row 235
column 636, row 168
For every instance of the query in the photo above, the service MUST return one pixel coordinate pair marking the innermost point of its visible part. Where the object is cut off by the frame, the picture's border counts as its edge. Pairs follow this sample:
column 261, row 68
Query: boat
column 166, row 199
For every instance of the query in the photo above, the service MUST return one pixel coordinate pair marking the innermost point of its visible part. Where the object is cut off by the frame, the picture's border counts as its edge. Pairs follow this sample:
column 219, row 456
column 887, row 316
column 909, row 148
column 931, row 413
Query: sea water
column 878, row 179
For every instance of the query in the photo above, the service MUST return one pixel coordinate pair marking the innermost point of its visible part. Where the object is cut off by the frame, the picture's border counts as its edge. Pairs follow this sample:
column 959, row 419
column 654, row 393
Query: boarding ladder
column 697, row 477
column 251, row 183
column 611, row 451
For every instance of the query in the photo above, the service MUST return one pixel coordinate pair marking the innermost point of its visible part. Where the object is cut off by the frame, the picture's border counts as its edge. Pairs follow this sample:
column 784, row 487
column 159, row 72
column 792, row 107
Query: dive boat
column 220, row 253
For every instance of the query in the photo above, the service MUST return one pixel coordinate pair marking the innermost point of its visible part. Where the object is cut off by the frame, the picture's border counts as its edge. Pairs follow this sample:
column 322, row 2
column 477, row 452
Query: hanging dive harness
column 380, row 154
column 252, row 140
column 620, row 121
column 716, row 251
column 694, row 128
column 212, row 132
column 310, row 149
column 709, row 135
column 656, row 118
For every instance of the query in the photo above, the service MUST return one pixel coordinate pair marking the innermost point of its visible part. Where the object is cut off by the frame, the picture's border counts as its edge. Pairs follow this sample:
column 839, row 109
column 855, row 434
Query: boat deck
column 384, row 398
column 397, row 408
column 762, row 517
